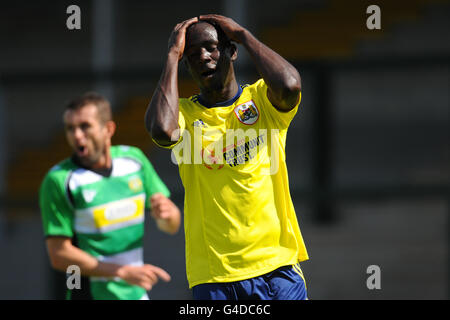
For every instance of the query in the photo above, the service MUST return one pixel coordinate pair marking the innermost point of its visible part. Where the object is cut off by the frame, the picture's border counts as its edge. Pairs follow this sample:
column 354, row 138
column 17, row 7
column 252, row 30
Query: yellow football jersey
column 239, row 218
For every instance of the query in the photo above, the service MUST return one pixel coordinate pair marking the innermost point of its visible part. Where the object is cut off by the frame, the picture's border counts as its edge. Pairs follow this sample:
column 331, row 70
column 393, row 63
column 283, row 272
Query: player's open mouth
column 208, row 73
column 81, row 151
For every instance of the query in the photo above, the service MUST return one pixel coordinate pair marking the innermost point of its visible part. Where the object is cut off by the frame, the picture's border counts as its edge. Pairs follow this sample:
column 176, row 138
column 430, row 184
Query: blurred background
column 367, row 153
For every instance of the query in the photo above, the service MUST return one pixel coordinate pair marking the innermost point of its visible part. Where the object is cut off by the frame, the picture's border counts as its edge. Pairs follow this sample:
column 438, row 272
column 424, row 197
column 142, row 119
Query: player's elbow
column 287, row 95
column 57, row 262
column 164, row 136
column 58, row 251
column 163, row 132
column 292, row 87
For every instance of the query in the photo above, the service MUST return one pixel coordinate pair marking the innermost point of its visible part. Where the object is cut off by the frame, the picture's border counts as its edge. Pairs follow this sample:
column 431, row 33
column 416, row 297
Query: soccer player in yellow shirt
column 242, row 236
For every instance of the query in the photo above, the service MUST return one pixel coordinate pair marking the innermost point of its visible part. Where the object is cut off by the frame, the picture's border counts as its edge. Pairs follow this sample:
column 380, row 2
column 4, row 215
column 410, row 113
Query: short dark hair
column 223, row 39
column 94, row 98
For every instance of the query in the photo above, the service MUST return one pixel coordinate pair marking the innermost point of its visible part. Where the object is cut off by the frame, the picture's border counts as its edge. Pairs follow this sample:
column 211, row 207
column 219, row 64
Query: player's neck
column 212, row 97
column 105, row 161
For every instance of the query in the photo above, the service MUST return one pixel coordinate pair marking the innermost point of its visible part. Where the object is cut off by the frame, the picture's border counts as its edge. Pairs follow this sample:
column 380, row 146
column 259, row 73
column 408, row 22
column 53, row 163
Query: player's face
column 86, row 134
column 208, row 61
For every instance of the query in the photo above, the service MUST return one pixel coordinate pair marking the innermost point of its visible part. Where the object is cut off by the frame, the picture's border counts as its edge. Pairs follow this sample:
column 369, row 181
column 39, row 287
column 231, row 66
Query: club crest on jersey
column 247, row 113
column 135, row 184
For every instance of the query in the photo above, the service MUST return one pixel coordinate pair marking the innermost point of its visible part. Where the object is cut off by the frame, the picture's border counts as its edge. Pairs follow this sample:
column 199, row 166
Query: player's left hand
column 232, row 29
column 162, row 207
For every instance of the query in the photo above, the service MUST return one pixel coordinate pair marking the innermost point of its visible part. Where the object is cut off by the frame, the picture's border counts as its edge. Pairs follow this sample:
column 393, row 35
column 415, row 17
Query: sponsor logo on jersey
column 246, row 151
column 247, row 113
column 121, row 210
column 118, row 212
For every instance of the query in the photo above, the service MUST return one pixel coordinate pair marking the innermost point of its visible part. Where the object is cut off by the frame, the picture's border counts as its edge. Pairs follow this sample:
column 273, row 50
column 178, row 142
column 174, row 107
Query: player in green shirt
column 93, row 206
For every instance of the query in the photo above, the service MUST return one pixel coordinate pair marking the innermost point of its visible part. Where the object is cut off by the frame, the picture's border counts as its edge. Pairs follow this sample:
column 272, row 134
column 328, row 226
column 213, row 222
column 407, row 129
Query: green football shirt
column 104, row 211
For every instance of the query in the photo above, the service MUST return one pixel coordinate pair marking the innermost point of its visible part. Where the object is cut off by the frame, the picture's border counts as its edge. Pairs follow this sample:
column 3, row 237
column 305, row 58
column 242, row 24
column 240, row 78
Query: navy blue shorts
column 285, row 283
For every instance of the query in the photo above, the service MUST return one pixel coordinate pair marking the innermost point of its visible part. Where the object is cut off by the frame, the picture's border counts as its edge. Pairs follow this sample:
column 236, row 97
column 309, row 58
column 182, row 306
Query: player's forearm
column 161, row 118
column 62, row 258
column 281, row 77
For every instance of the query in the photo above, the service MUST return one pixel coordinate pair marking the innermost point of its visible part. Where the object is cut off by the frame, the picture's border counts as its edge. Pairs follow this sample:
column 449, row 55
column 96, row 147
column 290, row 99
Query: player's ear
column 110, row 128
column 233, row 51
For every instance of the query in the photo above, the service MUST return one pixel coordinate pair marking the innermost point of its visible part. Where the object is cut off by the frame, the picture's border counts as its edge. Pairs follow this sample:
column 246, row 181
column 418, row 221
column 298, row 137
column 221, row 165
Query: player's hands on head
column 177, row 39
column 232, row 29
column 145, row 276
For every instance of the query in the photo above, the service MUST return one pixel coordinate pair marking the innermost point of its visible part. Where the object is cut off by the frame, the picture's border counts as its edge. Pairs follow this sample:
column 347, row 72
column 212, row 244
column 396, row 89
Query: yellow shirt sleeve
column 280, row 119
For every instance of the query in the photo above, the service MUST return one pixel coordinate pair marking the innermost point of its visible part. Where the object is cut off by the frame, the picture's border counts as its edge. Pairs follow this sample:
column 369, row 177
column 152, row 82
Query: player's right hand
column 177, row 39
column 145, row 276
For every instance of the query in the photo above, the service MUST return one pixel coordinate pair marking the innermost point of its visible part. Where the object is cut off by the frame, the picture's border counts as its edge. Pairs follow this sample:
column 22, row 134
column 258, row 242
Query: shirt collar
column 223, row 103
